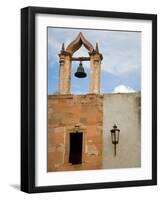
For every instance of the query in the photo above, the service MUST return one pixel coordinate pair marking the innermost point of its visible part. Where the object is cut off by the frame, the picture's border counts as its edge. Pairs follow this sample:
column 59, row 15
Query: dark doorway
column 75, row 151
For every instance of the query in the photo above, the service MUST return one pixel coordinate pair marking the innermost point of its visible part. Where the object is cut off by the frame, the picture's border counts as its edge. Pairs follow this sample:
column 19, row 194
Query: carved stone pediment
column 78, row 42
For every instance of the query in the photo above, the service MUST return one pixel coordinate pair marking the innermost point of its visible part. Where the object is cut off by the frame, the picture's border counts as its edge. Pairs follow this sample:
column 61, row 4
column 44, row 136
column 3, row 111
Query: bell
column 80, row 73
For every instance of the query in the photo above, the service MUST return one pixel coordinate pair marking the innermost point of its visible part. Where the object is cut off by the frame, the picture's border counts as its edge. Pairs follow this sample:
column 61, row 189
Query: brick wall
column 70, row 113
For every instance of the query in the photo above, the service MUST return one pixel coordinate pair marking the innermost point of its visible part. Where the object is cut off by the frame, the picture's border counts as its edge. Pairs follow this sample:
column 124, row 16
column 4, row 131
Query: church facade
column 79, row 125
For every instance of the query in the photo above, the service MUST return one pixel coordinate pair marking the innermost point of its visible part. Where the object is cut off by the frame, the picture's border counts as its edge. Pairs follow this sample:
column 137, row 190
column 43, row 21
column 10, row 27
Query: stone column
column 64, row 73
column 95, row 67
column 61, row 78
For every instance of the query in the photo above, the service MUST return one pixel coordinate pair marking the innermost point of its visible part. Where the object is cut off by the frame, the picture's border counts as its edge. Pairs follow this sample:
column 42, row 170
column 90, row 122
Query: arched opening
column 80, row 85
column 67, row 66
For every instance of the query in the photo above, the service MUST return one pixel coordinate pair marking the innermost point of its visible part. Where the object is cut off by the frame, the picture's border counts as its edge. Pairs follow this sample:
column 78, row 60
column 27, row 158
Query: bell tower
column 66, row 58
column 75, row 121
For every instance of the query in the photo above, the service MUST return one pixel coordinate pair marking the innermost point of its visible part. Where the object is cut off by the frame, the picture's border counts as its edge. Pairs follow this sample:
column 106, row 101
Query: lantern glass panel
column 117, row 135
column 113, row 136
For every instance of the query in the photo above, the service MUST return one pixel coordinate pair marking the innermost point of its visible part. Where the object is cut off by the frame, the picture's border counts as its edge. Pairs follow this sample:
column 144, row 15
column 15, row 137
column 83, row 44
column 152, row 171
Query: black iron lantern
column 80, row 73
column 115, row 137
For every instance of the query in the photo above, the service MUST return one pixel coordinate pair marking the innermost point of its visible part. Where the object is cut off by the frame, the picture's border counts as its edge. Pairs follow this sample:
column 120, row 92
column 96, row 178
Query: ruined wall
column 124, row 110
column 68, row 113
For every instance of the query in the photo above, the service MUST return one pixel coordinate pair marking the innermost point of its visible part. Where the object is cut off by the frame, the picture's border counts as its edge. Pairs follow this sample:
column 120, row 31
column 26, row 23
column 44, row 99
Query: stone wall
column 94, row 115
column 71, row 113
column 124, row 111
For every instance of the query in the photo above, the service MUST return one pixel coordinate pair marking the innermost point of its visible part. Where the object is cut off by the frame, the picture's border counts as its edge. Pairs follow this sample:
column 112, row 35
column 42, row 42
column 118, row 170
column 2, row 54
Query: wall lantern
column 115, row 137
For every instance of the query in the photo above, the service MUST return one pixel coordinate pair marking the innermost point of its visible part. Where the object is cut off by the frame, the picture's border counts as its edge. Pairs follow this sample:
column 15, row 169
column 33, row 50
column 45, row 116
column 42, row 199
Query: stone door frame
column 75, row 129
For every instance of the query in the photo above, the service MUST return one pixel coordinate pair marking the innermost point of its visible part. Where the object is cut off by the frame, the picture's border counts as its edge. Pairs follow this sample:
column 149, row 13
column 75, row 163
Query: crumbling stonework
column 72, row 113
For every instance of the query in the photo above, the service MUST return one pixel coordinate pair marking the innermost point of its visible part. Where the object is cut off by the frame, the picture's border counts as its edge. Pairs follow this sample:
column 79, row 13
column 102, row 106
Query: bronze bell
column 80, row 73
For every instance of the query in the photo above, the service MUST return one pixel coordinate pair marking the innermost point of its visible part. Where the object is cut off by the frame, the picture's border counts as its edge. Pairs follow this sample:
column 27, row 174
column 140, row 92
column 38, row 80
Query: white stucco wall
column 124, row 111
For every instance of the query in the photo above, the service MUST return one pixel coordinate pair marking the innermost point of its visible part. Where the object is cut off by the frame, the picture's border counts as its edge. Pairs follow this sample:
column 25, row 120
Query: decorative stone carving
column 77, row 43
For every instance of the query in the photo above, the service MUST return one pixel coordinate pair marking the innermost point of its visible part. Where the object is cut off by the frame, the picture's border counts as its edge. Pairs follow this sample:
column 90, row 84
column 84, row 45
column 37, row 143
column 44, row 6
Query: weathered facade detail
column 73, row 114
column 75, row 121
column 124, row 110
column 79, row 125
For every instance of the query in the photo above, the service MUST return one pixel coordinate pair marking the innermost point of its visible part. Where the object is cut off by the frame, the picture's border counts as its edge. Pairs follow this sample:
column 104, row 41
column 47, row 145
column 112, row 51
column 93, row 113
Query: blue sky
column 121, row 64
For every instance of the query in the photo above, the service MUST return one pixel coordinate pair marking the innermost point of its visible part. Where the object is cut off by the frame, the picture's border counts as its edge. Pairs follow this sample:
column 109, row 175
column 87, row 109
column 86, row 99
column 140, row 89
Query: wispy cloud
column 123, row 89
